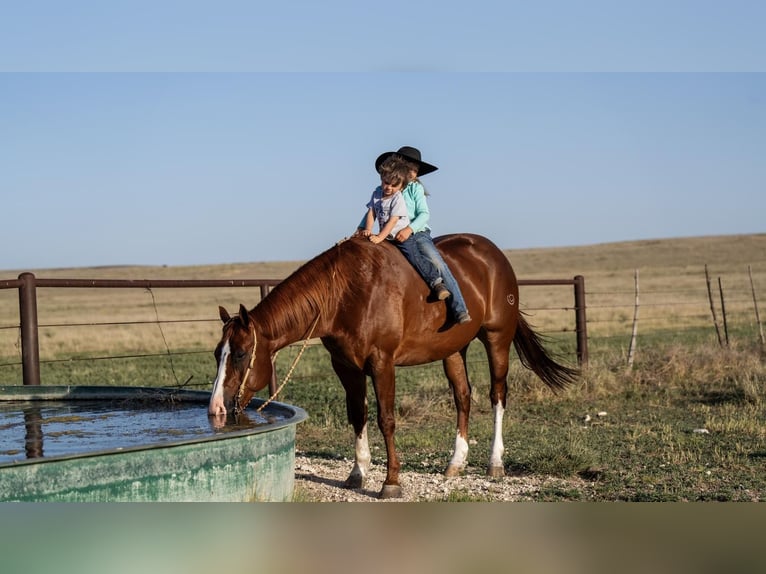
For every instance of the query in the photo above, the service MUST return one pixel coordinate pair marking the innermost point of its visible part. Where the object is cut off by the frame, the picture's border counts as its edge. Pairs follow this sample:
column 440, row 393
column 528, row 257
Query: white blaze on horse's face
column 217, row 405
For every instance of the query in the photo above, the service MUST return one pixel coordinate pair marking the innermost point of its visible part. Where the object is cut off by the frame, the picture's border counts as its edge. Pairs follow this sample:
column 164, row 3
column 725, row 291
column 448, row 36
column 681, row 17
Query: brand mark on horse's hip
column 511, row 299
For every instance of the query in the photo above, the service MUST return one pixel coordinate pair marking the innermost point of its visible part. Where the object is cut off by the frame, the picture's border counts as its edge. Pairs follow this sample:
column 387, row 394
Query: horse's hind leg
column 355, row 385
column 498, row 350
column 455, row 369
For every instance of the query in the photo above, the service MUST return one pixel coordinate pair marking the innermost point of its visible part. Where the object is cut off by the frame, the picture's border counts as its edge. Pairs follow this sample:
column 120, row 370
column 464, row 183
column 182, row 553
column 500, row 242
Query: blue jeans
column 420, row 251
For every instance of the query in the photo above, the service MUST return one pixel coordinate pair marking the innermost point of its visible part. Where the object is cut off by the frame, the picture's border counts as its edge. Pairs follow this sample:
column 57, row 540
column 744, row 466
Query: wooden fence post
column 755, row 305
column 723, row 312
column 712, row 307
column 580, row 320
column 632, row 348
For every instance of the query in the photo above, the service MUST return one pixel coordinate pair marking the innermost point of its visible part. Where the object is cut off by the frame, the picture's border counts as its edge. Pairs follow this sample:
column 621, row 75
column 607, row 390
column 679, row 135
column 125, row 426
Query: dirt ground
column 321, row 480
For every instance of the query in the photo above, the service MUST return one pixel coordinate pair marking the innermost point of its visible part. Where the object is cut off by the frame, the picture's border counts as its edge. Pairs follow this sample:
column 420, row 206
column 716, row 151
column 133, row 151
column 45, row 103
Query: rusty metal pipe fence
column 27, row 285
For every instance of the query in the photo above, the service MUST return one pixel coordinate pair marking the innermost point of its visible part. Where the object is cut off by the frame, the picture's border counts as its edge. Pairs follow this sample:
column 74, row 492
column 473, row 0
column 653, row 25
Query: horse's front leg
column 384, row 382
column 454, row 368
column 355, row 384
column 362, row 460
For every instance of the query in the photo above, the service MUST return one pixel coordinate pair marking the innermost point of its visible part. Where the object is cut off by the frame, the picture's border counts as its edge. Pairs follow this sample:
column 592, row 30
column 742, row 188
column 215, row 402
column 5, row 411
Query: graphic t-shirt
column 386, row 206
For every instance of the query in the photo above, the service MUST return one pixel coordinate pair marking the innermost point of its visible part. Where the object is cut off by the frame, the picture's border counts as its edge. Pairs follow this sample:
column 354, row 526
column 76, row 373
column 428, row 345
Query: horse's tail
column 534, row 357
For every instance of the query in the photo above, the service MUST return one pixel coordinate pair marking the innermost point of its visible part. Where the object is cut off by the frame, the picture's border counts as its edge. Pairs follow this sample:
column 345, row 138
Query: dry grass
column 673, row 296
column 672, row 286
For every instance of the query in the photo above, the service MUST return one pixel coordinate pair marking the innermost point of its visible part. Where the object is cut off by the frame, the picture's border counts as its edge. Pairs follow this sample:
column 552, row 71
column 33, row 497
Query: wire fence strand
column 665, row 312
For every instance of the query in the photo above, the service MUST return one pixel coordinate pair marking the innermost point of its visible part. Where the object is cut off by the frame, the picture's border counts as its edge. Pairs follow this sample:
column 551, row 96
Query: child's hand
column 365, row 232
column 404, row 234
column 376, row 238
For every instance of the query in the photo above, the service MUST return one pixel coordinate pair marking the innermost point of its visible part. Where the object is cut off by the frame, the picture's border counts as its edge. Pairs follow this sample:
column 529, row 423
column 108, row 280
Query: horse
column 373, row 312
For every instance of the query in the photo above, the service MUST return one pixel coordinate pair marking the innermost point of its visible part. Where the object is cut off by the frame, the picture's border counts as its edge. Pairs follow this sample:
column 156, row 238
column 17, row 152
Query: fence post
column 273, row 382
column 755, row 305
column 712, row 307
column 581, row 329
column 30, row 347
column 723, row 312
column 634, row 335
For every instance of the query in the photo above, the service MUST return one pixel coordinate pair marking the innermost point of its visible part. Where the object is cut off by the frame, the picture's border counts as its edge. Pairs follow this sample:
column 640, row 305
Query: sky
column 194, row 133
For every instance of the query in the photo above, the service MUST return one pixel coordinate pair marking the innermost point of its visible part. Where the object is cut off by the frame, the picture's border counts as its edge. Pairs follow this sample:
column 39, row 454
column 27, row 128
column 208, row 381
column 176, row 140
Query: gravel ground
column 321, row 480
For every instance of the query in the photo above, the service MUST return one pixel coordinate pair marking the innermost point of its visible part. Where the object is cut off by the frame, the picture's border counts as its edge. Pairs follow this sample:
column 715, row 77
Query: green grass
column 458, row 495
column 648, row 446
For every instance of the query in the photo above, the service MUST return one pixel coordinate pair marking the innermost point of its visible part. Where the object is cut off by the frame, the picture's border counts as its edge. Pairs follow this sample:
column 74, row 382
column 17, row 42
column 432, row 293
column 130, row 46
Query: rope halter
column 238, row 407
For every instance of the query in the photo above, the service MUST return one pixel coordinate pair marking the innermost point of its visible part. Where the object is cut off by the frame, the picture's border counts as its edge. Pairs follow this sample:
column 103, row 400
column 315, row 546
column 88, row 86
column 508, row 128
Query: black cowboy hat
column 410, row 154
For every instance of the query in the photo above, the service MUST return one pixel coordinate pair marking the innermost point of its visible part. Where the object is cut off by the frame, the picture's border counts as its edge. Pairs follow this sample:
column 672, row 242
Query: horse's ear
column 223, row 314
column 243, row 314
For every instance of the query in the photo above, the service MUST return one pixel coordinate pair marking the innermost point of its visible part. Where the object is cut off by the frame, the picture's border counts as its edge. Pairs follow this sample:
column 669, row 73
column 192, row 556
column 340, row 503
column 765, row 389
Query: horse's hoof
column 390, row 491
column 495, row 471
column 354, row 481
column 453, row 470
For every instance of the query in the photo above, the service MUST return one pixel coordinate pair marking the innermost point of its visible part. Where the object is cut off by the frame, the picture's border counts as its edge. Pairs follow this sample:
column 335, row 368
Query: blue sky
column 125, row 142
column 396, row 35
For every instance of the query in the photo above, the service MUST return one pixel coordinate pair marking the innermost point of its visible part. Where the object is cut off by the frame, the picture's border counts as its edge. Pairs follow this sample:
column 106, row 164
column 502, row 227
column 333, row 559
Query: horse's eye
column 239, row 356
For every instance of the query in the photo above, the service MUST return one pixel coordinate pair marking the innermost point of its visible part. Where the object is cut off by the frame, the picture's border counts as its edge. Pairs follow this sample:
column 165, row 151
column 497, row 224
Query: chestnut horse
column 373, row 312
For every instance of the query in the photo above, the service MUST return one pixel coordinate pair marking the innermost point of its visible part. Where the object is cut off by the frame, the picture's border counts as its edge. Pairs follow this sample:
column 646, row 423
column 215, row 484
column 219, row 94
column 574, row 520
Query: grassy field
column 685, row 423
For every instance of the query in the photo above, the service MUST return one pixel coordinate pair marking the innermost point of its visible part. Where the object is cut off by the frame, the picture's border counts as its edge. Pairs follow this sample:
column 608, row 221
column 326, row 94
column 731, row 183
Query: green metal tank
column 139, row 444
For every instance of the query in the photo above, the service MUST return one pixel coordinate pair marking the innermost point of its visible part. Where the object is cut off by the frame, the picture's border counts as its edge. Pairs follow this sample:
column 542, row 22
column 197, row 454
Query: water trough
column 139, row 444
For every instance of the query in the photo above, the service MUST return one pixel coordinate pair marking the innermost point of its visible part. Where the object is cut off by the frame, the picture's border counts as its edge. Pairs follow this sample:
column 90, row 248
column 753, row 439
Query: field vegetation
column 685, row 422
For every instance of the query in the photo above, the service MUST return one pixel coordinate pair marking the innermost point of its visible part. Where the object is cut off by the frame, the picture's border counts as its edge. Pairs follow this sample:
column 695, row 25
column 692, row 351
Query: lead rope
column 247, row 374
column 292, row 367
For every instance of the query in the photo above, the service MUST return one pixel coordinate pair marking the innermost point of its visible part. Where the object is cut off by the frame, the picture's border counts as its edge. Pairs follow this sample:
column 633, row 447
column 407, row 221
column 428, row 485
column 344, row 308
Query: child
column 414, row 239
column 387, row 205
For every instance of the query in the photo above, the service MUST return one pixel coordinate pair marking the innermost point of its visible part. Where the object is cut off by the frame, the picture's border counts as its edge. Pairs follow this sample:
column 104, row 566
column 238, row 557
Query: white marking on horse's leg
column 460, row 456
column 496, row 454
column 216, row 406
column 362, row 459
column 362, row 452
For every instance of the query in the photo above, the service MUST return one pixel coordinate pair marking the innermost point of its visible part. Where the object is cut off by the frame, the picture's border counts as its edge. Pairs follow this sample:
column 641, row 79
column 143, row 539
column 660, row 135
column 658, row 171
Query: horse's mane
column 316, row 287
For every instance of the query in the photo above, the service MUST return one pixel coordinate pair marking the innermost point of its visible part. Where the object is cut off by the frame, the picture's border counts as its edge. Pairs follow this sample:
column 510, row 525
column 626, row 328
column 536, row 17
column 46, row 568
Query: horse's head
column 235, row 355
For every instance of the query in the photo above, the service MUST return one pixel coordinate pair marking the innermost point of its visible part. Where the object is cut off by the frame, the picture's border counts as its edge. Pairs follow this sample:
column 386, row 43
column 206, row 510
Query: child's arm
column 386, row 230
column 369, row 221
column 421, row 213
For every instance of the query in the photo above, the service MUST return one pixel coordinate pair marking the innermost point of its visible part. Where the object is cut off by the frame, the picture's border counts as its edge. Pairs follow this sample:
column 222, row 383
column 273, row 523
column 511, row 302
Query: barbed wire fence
column 721, row 312
column 668, row 315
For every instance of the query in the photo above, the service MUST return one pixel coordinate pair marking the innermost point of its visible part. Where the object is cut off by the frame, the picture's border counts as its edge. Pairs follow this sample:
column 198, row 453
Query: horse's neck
column 303, row 303
column 308, row 331
column 278, row 328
